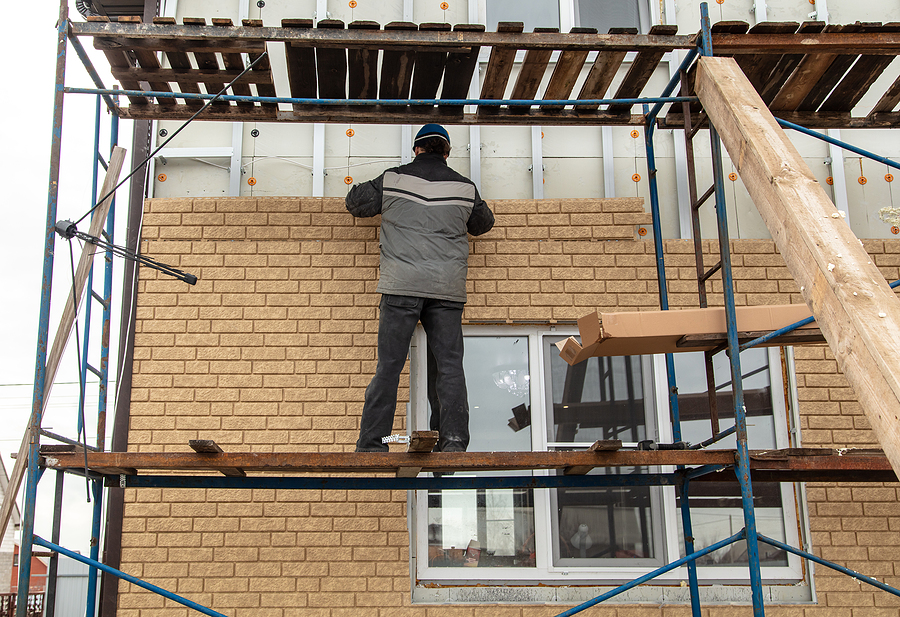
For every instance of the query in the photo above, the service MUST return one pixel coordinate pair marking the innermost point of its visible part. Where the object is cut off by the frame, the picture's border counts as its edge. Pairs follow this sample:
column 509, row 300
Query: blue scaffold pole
column 734, row 355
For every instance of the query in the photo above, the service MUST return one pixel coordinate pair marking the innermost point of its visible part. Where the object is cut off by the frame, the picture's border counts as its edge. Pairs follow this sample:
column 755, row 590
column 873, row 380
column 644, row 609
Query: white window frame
column 545, row 572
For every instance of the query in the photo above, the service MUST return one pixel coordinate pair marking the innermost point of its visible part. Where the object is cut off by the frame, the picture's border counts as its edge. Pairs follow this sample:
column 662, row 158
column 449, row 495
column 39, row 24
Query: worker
column 426, row 211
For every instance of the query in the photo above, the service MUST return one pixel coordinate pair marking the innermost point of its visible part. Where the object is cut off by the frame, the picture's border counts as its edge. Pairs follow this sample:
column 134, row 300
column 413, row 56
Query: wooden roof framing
column 812, row 74
column 330, row 61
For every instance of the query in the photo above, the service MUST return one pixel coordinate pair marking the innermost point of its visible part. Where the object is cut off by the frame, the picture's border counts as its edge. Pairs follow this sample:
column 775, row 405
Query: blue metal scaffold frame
column 680, row 479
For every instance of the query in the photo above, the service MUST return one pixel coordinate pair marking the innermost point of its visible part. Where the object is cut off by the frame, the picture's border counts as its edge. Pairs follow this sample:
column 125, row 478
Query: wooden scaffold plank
column 301, row 65
column 856, row 310
column 460, row 68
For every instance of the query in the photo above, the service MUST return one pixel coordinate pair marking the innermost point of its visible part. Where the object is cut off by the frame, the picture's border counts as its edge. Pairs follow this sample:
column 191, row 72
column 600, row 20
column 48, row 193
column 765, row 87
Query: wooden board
column 602, row 72
column 397, row 65
column 787, row 64
column 758, row 67
column 301, row 65
column 234, row 64
column 641, row 70
column 531, row 73
column 566, row 72
column 804, row 78
column 858, row 79
column 857, row 312
column 207, row 61
column 331, row 65
column 429, row 67
column 499, row 68
column 781, row 465
column 460, row 67
column 363, row 66
column 833, row 73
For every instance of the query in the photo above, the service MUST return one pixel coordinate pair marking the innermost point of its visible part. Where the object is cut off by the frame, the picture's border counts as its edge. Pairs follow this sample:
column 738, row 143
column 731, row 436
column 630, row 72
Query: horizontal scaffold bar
column 171, row 37
column 795, row 464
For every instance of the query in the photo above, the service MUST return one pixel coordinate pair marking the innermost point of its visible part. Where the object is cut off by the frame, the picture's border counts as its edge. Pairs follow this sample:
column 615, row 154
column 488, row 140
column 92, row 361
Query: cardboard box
column 649, row 332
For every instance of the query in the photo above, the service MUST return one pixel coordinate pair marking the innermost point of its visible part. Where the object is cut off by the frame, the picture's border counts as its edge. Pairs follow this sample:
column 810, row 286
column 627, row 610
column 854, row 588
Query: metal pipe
column 95, row 76
column 696, row 472
column 131, row 579
column 674, row 81
column 651, row 575
column 839, row 143
column 385, row 102
column 829, row 564
column 717, row 437
column 50, row 608
column 797, row 324
column 33, row 433
column 734, row 355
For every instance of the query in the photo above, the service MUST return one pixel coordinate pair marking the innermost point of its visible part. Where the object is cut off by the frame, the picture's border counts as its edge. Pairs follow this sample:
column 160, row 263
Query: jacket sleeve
column 364, row 200
column 482, row 219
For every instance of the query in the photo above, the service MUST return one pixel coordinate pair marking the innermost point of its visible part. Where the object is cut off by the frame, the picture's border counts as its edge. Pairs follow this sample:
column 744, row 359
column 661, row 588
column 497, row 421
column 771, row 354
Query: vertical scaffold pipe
column 734, row 354
column 32, row 473
column 670, row 360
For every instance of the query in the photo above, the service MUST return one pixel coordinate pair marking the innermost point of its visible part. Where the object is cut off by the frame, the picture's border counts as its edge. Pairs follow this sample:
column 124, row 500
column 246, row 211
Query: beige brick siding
column 273, row 348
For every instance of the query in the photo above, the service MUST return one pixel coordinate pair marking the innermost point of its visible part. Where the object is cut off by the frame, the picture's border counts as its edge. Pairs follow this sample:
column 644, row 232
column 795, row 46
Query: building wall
column 280, row 158
column 272, row 350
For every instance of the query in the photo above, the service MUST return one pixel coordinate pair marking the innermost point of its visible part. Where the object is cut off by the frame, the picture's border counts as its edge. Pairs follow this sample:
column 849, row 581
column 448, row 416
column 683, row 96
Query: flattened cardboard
column 647, row 332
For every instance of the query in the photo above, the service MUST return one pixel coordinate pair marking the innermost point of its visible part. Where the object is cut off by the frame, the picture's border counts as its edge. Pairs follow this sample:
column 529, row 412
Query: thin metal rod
column 131, row 579
column 66, row 440
column 829, row 564
column 714, row 438
column 797, row 324
column 651, row 575
column 50, row 608
column 696, row 472
column 385, row 102
column 839, row 143
column 95, row 76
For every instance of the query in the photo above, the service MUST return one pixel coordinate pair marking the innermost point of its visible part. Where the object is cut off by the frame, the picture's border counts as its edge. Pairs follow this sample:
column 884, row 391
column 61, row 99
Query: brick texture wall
column 274, row 346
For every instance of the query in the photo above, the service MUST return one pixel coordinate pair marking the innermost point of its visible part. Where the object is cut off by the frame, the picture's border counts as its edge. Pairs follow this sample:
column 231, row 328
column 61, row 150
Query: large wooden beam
column 858, row 313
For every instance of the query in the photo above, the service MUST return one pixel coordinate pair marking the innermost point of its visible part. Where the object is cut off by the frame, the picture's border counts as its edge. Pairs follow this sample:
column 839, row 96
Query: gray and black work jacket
column 426, row 211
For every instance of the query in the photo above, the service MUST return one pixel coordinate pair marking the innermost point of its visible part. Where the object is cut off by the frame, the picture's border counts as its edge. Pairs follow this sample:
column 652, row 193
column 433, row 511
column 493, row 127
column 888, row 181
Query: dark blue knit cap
column 431, row 130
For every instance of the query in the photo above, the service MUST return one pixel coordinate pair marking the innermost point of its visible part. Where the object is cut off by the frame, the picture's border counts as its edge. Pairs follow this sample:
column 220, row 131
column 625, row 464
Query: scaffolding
column 325, row 55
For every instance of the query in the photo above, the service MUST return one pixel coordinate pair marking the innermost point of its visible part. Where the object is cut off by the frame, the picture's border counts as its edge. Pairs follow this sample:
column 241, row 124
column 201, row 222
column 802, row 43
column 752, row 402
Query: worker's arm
column 364, row 200
column 482, row 219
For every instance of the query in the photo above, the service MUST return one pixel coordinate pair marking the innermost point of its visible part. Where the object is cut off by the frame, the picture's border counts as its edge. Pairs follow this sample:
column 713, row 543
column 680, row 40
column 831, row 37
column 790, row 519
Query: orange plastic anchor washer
column 251, row 181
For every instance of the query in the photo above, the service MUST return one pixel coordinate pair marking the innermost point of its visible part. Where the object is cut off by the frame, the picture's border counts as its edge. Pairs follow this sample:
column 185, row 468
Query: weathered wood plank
column 429, row 67
column 532, row 71
column 641, row 70
column 180, row 64
column 566, row 72
column 234, row 63
column 857, row 312
column 858, row 79
column 804, row 78
column 460, row 67
column 301, row 65
column 363, row 66
column 602, row 72
column 787, row 64
column 832, row 74
column 208, row 446
column 261, row 73
column 397, row 65
column 758, row 67
column 499, row 68
column 208, row 62
column 393, row 115
column 118, row 59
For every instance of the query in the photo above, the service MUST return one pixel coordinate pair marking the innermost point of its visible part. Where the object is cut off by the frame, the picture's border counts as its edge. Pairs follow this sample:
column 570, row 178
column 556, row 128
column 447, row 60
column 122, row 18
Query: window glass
column 533, row 13
column 716, row 511
column 489, row 527
column 600, row 398
column 606, row 14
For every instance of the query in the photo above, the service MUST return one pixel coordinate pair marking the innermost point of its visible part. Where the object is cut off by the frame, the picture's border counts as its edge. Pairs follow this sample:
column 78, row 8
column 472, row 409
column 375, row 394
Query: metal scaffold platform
column 811, row 75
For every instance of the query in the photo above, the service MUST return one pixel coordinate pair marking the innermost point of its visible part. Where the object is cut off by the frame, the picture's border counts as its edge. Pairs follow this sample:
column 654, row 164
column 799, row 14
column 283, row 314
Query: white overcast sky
column 27, row 111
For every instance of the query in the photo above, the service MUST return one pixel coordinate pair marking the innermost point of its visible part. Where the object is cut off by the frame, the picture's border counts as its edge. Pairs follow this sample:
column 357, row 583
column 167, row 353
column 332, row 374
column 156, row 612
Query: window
column 523, row 396
column 566, row 14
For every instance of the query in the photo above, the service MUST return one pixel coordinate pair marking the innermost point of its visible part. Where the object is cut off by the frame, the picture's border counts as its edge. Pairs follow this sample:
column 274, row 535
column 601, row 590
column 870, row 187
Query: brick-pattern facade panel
column 273, row 348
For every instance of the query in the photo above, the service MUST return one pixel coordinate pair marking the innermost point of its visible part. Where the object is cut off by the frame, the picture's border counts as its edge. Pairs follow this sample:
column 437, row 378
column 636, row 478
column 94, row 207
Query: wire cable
column 265, row 54
column 83, row 428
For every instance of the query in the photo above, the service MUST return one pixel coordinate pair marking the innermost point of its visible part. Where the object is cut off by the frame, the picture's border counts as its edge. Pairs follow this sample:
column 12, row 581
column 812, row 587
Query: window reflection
column 716, row 511
column 489, row 527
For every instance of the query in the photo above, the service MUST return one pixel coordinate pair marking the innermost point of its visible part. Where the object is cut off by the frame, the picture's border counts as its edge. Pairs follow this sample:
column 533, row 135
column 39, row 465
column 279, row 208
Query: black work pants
column 442, row 320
